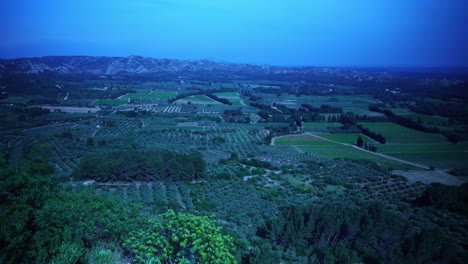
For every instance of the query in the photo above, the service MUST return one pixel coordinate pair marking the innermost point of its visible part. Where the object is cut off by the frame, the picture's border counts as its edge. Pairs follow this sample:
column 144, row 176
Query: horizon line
column 389, row 66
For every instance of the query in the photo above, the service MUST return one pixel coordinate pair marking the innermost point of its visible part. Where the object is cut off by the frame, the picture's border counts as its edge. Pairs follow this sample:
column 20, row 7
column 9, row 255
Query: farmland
column 265, row 156
column 156, row 95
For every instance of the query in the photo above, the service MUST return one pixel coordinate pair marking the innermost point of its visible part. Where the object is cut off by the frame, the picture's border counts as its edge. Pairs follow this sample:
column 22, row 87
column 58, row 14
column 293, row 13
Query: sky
column 366, row 33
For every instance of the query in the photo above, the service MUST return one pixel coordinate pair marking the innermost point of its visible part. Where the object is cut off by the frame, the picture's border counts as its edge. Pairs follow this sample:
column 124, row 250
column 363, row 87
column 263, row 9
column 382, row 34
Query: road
column 422, row 166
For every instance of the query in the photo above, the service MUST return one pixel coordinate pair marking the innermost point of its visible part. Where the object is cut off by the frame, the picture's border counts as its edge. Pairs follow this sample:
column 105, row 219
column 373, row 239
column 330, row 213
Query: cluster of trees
column 135, row 165
column 443, row 197
column 341, row 234
column 280, row 113
column 278, row 131
column 375, row 136
column 360, row 143
column 235, row 116
column 323, row 109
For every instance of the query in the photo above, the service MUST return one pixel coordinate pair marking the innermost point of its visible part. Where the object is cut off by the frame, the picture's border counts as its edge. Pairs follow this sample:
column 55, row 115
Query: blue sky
column 427, row 33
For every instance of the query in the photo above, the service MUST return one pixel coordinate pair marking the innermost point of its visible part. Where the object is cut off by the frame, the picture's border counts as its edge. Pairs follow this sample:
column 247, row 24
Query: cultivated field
column 156, row 95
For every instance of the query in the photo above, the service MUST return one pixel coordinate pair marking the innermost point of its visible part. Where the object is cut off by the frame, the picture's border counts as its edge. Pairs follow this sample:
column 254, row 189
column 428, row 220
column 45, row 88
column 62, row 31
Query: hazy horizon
column 361, row 33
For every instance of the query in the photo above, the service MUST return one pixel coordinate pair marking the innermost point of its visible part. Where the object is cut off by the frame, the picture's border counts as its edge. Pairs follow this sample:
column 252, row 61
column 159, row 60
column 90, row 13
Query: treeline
column 453, row 111
column 219, row 99
column 323, row 109
column 350, row 118
column 375, row 136
column 404, row 121
column 340, row 234
column 135, row 165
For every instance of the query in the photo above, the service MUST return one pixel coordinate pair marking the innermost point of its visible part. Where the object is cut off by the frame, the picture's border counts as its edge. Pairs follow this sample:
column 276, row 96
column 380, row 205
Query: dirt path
column 240, row 99
column 422, row 166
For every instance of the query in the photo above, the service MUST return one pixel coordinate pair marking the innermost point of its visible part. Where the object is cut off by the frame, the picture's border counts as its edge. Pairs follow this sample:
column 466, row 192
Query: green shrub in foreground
column 180, row 238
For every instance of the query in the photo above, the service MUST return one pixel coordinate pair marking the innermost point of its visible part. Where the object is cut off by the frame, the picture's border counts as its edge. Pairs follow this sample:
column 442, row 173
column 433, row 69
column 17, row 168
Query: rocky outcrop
column 128, row 65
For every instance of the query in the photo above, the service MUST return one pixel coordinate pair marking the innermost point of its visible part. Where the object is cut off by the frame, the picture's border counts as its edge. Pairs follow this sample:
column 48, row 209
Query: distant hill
column 129, row 66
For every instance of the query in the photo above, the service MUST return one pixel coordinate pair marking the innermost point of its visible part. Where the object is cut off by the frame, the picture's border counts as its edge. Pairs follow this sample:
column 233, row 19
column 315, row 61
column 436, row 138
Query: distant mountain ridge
column 128, row 65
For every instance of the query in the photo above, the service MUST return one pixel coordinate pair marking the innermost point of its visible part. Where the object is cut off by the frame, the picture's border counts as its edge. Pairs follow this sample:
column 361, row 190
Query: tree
column 360, row 142
column 90, row 142
column 180, row 238
column 23, row 191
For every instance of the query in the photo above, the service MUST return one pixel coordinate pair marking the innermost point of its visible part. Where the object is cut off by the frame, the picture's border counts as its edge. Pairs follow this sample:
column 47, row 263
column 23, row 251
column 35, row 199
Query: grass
column 429, row 149
column 233, row 97
column 427, row 119
column 158, row 95
column 320, row 125
column 197, row 99
column 303, row 140
column 15, row 100
column 345, row 138
column 396, row 134
column 109, row 102
column 329, row 149
column 339, row 151
column 227, row 94
column 362, row 110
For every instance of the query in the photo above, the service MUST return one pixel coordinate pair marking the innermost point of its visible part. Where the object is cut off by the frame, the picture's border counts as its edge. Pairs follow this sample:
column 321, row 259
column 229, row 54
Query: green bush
column 180, row 238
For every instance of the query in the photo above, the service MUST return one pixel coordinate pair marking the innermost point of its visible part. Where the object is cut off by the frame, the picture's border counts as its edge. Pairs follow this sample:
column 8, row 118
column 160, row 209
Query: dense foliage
column 445, row 197
column 180, row 238
column 141, row 166
column 41, row 222
column 337, row 234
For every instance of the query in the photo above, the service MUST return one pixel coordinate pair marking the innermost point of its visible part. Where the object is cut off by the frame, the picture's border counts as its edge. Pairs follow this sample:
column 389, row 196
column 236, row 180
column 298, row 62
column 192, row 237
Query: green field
column 320, row 125
column 158, row 95
column 396, row 134
column 15, row 100
column 197, row 99
column 227, row 94
column 429, row 149
column 233, row 97
column 109, row 102
column 345, row 138
column 330, row 149
column 427, row 119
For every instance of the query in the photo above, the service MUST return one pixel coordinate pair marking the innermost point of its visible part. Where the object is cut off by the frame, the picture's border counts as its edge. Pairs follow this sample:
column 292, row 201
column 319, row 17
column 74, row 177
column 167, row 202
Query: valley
column 250, row 146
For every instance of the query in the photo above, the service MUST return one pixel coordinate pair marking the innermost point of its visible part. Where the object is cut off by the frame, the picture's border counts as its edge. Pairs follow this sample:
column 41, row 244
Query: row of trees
column 219, row 99
column 141, row 166
column 360, row 143
column 375, row 136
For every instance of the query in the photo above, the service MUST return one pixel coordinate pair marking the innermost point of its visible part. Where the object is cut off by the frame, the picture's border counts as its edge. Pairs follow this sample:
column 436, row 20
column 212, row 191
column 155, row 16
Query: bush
column 180, row 238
